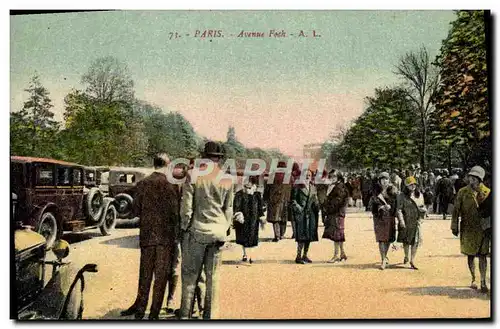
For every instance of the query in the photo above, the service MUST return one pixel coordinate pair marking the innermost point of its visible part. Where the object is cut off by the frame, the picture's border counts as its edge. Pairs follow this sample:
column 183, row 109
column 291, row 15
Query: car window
column 64, row 176
column 77, row 177
column 44, row 174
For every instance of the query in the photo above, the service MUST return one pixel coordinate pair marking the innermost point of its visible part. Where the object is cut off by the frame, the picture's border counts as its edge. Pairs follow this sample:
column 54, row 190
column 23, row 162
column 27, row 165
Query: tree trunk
column 423, row 155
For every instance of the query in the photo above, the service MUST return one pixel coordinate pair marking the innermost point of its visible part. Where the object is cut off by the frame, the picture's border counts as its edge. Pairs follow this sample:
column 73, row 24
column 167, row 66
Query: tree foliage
column 463, row 119
column 108, row 80
column 33, row 128
column 421, row 80
column 384, row 135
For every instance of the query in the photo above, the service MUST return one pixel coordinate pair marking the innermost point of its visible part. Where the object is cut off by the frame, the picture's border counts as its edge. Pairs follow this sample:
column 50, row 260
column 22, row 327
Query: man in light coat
column 206, row 215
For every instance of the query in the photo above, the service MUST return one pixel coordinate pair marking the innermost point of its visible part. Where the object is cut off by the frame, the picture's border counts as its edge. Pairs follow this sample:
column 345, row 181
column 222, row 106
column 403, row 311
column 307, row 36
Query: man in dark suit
column 157, row 205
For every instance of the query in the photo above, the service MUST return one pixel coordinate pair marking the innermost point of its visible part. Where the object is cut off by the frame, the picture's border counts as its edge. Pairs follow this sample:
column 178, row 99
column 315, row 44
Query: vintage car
column 121, row 187
column 46, row 289
column 51, row 197
column 120, row 184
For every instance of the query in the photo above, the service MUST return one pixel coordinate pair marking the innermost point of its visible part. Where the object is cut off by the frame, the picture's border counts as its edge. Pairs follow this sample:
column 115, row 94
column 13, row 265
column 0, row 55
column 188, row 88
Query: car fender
column 105, row 205
column 49, row 304
column 38, row 212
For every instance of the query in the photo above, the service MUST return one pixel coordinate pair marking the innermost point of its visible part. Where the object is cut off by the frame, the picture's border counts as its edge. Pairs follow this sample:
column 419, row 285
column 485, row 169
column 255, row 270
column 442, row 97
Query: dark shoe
column 343, row 257
column 299, row 260
column 413, row 266
column 275, row 240
column 306, row 259
column 170, row 310
column 130, row 311
column 406, row 261
column 139, row 315
column 484, row 289
column 153, row 317
column 250, row 261
column 244, row 259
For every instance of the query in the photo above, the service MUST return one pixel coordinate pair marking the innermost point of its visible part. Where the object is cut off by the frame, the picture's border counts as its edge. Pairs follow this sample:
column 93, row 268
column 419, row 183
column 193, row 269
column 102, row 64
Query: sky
column 278, row 92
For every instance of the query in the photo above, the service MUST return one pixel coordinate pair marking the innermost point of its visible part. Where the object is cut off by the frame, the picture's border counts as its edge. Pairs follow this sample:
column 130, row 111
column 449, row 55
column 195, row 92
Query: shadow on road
column 447, row 256
column 451, row 292
column 259, row 261
column 72, row 238
column 115, row 315
column 372, row 266
column 131, row 242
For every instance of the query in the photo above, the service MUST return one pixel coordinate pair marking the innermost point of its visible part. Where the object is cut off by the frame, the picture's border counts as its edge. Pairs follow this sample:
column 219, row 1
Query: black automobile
column 46, row 289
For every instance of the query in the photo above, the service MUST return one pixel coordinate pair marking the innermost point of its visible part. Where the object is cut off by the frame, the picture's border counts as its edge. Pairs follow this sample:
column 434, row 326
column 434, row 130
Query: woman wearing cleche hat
column 384, row 216
column 474, row 242
column 410, row 212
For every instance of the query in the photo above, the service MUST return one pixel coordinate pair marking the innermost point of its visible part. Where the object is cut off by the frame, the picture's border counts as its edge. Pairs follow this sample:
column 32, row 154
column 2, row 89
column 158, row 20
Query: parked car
column 59, row 295
column 51, row 197
column 121, row 187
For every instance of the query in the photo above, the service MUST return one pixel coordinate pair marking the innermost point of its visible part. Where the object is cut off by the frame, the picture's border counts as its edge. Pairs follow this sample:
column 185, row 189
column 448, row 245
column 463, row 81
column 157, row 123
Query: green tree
column 33, row 129
column 384, row 135
column 109, row 80
column 234, row 149
column 463, row 119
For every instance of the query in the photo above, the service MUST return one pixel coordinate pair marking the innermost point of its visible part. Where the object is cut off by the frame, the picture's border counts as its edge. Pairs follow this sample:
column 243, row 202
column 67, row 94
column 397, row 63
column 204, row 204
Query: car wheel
column 94, row 201
column 109, row 222
column 47, row 227
column 123, row 203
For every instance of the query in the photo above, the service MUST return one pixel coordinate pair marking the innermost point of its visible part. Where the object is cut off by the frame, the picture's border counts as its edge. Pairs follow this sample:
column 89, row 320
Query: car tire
column 124, row 203
column 109, row 223
column 93, row 204
column 48, row 228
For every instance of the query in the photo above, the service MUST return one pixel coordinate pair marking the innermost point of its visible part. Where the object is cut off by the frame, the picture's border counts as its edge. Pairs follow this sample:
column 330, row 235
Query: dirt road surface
column 274, row 287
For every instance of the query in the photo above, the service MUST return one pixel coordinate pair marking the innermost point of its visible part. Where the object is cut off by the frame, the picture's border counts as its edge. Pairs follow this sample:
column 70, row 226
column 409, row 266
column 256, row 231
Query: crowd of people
column 183, row 227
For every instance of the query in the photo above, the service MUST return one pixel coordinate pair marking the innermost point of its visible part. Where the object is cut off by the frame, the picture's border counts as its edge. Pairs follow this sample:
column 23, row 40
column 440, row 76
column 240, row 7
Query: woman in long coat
column 384, row 216
column 305, row 207
column 411, row 210
column 336, row 202
column 277, row 197
column 474, row 242
column 248, row 203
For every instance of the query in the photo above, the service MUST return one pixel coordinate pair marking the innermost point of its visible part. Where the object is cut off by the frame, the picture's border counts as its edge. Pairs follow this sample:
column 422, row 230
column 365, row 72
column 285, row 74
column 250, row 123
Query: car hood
column 26, row 239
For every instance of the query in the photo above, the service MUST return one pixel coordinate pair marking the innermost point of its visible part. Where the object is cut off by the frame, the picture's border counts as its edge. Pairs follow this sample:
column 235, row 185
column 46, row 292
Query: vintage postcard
column 238, row 164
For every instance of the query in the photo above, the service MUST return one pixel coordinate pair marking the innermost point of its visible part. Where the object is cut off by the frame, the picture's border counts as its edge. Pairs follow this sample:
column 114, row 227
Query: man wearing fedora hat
column 474, row 242
column 206, row 215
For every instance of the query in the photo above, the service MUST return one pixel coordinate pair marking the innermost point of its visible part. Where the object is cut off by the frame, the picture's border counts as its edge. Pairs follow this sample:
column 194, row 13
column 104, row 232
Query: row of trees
column 439, row 115
column 106, row 125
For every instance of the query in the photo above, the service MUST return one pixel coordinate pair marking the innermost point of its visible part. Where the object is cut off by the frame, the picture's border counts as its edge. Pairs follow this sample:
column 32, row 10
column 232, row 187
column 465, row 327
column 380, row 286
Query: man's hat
column 478, row 172
column 213, row 149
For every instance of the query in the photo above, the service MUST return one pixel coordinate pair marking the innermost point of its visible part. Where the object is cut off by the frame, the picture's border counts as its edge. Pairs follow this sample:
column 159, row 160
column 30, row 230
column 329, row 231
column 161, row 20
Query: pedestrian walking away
column 156, row 203
column 277, row 196
column 206, row 215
